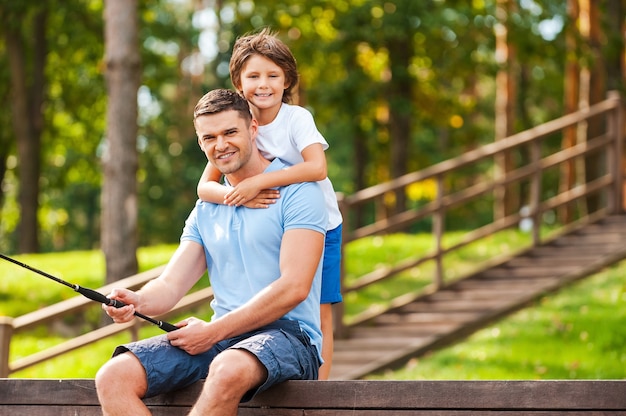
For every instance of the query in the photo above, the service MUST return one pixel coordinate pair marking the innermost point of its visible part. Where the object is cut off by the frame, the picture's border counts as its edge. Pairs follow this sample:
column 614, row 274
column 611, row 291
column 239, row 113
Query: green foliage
column 360, row 62
column 22, row 291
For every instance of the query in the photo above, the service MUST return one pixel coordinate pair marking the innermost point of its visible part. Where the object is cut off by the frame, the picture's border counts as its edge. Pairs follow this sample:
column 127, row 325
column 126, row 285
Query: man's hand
column 125, row 313
column 192, row 336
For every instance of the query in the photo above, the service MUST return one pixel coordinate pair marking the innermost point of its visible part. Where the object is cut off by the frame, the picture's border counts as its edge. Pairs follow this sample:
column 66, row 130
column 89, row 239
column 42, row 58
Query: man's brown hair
column 219, row 100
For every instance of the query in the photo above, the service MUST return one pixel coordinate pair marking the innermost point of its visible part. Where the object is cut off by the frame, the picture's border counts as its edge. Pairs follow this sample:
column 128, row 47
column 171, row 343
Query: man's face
column 226, row 140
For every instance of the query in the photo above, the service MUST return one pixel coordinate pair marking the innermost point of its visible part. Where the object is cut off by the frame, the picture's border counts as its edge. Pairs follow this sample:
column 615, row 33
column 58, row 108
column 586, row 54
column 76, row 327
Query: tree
column 507, row 200
column 27, row 99
column 119, row 192
column 592, row 87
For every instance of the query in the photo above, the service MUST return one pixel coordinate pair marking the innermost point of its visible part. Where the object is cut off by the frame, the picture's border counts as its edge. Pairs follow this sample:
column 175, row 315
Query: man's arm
column 300, row 254
column 160, row 295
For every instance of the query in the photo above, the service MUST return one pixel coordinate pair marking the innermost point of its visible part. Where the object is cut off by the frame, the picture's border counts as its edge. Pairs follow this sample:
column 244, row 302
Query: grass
column 577, row 333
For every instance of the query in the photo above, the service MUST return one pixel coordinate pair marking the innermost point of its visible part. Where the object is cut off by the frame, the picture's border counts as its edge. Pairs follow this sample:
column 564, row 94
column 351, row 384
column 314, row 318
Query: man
column 264, row 267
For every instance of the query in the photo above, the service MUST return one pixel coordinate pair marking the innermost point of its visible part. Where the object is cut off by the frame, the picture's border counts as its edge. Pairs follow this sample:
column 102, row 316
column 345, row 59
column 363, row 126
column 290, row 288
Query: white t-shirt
column 286, row 136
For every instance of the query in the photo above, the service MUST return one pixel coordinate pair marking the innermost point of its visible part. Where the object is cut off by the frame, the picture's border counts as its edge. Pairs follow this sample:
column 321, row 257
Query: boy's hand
column 247, row 193
column 263, row 199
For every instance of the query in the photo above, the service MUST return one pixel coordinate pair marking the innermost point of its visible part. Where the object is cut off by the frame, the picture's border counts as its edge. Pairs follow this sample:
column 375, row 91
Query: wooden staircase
column 443, row 317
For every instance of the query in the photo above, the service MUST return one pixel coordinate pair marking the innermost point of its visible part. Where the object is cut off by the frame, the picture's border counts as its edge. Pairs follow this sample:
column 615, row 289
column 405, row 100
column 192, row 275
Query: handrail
column 540, row 201
column 533, row 172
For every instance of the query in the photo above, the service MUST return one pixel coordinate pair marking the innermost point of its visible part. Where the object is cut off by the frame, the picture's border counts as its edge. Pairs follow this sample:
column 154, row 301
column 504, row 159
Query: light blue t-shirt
column 242, row 247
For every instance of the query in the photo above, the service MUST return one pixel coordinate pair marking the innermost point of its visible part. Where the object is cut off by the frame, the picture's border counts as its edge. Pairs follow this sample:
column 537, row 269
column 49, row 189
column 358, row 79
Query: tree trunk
column 594, row 91
column 27, row 115
column 571, row 96
column 119, row 193
column 506, row 198
column 400, row 95
column 616, row 59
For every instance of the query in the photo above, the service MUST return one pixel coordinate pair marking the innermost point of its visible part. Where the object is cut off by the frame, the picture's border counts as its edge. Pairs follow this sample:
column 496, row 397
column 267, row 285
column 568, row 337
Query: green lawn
column 577, row 333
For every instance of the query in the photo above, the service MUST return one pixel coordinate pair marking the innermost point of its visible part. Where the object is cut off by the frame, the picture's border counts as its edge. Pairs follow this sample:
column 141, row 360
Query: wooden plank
column 576, row 394
column 47, row 397
column 170, row 411
column 401, row 317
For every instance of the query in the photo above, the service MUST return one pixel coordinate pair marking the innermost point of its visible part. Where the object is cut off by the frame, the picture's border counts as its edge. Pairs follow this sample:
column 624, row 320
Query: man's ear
column 254, row 129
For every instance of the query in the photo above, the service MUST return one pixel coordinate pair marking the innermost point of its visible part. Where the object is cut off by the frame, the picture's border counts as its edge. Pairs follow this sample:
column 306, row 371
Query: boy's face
column 262, row 82
column 226, row 139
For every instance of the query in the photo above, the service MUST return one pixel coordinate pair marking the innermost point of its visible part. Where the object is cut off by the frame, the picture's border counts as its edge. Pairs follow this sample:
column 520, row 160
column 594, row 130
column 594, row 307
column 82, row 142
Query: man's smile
column 225, row 155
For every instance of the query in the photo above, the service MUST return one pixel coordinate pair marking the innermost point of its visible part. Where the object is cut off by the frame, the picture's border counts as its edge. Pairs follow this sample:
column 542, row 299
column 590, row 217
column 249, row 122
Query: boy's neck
column 265, row 115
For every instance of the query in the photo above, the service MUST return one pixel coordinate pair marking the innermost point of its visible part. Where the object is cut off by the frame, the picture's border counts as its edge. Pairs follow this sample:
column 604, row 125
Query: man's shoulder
column 277, row 164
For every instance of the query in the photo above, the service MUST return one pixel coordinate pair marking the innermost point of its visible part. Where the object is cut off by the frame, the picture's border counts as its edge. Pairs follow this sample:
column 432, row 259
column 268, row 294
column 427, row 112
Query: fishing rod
column 93, row 295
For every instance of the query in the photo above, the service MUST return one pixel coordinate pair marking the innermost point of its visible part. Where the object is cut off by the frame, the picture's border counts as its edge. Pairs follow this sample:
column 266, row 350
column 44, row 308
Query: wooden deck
column 441, row 318
column 71, row 397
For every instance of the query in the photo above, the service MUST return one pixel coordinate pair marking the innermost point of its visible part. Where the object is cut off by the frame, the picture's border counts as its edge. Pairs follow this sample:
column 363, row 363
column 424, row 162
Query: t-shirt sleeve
column 303, row 130
column 304, row 207
column 190, row 230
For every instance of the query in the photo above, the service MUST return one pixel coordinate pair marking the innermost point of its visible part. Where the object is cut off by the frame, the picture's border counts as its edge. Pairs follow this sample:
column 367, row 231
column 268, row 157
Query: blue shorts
column 281, row 347
column 331, row 267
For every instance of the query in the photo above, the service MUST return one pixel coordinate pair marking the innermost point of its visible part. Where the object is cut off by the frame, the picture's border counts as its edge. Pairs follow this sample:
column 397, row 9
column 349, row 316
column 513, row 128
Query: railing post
column 615, row 127
column 6, row 332
column 535, row 191
column 438, row 231
column 339, row 328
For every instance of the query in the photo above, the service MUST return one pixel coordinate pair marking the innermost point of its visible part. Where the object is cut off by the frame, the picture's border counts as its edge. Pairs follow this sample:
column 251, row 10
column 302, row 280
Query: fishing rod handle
column 166, row 326
column 115, row 303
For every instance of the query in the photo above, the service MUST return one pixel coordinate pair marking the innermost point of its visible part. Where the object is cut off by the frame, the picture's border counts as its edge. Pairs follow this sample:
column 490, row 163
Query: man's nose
column 221, row 143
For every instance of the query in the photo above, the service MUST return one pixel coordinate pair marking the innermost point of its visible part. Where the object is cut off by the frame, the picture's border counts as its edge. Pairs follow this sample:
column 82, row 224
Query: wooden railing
column 543, row 196
column 536, row 173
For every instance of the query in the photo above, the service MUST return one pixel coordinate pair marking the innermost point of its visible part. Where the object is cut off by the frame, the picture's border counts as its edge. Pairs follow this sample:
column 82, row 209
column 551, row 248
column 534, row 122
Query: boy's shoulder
column 294, row 109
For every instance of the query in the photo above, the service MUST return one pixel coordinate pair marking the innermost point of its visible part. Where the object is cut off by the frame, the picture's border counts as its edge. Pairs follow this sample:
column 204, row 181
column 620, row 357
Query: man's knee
column 237, row 367
column 122, row 374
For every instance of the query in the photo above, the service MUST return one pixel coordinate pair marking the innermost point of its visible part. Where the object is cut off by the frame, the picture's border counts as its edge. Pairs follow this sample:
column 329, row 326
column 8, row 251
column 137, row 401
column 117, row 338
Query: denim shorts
column 282, row 347
column 331, row 267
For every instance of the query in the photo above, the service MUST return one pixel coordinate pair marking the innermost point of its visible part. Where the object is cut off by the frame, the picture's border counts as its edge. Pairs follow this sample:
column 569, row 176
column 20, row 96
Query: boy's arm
column 311, row 169
column 209, row 189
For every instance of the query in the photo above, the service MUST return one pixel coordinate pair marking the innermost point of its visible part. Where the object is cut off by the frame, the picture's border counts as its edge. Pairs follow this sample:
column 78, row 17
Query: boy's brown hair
column 266, row 44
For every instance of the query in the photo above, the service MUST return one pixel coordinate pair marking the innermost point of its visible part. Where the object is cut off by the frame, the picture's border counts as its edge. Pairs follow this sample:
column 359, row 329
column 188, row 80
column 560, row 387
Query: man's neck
column 255, row 166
